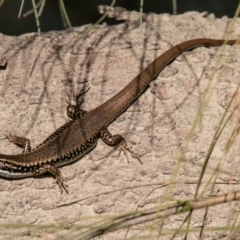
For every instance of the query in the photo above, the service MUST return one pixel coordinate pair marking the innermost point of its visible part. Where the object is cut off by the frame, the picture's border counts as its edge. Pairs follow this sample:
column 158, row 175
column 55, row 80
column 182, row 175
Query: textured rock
column 39, row 73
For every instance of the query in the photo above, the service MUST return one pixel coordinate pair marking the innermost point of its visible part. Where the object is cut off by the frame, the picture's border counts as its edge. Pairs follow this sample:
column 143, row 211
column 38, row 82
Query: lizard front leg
column 21, row 142
column 56, row 173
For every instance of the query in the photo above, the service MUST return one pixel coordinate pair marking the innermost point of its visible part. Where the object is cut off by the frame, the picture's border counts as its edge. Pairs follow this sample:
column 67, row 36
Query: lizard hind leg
column 74, row 110
column 117, row 141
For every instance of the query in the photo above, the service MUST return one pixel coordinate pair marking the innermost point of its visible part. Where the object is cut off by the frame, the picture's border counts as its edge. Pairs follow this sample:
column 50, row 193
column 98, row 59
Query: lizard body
column 80, row 135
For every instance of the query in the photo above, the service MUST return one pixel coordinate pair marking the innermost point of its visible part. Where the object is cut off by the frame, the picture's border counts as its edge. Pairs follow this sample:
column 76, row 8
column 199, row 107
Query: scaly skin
column 79, row 136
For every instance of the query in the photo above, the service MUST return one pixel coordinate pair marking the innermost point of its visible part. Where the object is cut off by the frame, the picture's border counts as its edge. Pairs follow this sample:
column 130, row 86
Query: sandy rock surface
column 35, row 75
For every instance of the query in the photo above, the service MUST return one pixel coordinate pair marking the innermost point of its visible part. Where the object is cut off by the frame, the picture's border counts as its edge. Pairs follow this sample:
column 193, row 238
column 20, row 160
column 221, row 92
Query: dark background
column 81, row 12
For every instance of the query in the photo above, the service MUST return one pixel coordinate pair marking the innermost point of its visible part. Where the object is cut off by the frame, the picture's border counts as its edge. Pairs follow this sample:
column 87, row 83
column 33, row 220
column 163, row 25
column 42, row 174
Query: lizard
column 77, row 137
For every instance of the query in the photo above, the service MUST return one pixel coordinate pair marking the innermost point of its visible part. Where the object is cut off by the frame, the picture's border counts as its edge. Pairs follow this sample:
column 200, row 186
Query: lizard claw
column 124, row 148
column 60, row 182
column 8, row 136
column 71, row 99
column 63, row 187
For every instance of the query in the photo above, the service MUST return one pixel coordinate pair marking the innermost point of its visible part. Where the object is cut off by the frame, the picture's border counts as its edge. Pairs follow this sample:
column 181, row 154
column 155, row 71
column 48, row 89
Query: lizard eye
column 1, row 165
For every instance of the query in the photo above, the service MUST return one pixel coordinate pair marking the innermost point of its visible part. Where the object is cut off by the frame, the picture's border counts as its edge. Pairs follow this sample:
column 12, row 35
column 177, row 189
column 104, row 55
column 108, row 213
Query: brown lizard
column 80, row 135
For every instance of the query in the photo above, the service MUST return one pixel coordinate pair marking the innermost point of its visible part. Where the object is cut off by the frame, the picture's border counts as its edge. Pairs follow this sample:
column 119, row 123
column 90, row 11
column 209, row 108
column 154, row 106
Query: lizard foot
column 124, row 148
column 59, row 179
column 21, row 142
column 63, row 187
